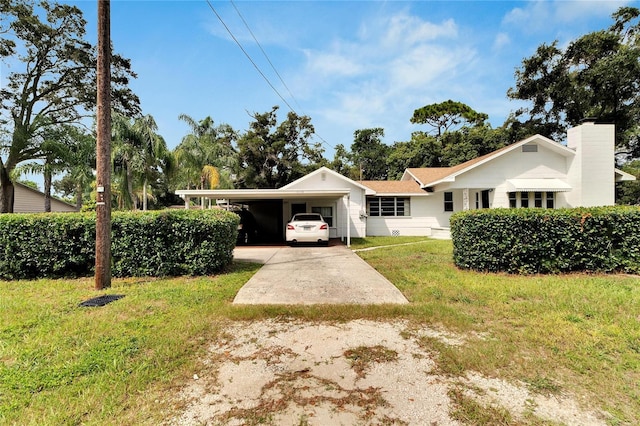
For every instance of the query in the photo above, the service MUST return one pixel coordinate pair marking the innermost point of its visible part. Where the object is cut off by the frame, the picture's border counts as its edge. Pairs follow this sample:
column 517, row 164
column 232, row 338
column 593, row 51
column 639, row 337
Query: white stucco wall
column 426, row 212
column 514, row 165
column 592, row 171
column 326, row 179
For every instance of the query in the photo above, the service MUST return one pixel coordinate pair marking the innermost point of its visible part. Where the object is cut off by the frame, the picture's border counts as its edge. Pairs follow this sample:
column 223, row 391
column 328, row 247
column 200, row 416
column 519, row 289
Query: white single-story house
column 535, row 172
column 29, row 200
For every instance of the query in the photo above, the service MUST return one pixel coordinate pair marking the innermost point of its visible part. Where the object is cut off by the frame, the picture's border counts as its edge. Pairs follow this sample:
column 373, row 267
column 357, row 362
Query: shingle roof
column 429, row 175
column 393, row 186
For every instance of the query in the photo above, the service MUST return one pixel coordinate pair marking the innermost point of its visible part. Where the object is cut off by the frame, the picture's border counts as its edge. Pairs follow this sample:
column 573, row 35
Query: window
column 448, row 201
column 388, row 206
column 477, row 200
column 540, row 199
column 537, row 199
column 325, row 212
column 551, row 200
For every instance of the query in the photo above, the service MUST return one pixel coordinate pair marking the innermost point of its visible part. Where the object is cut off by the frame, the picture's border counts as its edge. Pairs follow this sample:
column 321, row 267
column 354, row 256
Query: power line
column 249, row 57
column 258, row 68
column 264, row 53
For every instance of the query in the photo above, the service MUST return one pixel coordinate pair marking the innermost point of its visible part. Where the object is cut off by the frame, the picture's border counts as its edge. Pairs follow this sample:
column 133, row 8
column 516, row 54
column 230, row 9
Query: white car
column 307, row 228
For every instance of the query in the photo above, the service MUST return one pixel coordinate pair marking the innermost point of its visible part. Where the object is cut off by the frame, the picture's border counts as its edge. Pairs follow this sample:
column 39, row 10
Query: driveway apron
column 309, row 275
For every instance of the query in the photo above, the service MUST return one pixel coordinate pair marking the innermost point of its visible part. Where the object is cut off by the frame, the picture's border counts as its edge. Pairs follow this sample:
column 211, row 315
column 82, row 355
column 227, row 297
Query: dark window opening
column 448, row 201
column 551, row 200
column 388, row 206
column 537, row 199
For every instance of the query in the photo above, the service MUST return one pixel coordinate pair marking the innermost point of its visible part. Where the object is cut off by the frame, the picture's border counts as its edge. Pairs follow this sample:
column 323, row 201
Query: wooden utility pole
column 103, row 148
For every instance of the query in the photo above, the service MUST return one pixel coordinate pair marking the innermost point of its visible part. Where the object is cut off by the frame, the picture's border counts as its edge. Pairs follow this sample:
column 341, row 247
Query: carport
column 273, row 208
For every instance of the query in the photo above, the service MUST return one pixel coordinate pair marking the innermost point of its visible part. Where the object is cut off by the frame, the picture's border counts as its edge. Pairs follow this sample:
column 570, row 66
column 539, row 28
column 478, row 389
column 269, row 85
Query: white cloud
column 570, row 11
column 388, row 65
column 535, row 16
column 405, row 30
column 540, row 15
column 501, row 40
column 332, row 64
column 427, row 64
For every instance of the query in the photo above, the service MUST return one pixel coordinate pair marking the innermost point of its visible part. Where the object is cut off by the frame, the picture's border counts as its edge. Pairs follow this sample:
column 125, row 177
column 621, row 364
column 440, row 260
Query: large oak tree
column 272, row 155
column 595, row 76
column 53, row 82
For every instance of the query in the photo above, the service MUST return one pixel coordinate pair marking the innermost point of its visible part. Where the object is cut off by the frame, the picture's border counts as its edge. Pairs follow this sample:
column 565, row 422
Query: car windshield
column 299, row 217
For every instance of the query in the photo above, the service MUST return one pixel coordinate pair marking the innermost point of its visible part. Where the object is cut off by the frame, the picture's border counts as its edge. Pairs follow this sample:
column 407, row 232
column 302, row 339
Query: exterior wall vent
column 530, row 148
column 395, row 233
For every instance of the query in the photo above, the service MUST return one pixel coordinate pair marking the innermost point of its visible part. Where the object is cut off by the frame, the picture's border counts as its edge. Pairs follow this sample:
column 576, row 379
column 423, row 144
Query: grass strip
column 124, row 362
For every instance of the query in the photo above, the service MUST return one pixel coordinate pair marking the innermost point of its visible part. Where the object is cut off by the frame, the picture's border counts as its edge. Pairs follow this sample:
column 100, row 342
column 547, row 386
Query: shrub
column 600, row 239
column 159, row 243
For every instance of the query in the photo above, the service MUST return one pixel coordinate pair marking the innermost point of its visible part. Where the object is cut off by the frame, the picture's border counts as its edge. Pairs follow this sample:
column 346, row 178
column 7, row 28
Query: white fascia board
column 401, row 194
column 413, row 177
column 325, row 170
column 266, row 194
column 621, row 176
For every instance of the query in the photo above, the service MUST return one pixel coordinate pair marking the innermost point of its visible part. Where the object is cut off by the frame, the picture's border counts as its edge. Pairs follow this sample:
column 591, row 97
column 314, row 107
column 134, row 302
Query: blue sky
column 349, row 64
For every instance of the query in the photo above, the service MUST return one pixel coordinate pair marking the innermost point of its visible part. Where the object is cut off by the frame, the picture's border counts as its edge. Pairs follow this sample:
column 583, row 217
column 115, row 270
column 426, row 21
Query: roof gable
column 317, row 175
column 430, row 176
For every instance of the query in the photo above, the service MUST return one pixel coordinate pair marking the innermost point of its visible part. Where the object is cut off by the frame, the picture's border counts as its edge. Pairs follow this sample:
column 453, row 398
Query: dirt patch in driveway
column 360, row 372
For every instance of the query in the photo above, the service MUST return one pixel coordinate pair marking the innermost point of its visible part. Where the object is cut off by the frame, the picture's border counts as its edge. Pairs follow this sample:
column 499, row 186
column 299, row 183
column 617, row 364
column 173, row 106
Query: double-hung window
column 326, row 213
column 448, row 201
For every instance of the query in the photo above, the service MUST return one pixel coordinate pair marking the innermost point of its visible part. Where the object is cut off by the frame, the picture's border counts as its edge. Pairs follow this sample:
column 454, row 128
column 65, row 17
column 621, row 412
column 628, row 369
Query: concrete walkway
column 308, row 275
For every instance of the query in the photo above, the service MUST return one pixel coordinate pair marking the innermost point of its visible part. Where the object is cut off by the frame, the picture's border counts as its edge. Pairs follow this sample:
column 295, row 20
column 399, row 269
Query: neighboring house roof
column 29, row 200
column 394, row 187
column 430, row 176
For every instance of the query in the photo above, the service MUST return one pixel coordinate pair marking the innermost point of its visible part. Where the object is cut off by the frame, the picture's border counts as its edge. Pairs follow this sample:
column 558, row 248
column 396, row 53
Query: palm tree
column 154, row 152
column 81, row 163
column 125, row 158
column 138, row 152
column 65, row 148
column 206, row 147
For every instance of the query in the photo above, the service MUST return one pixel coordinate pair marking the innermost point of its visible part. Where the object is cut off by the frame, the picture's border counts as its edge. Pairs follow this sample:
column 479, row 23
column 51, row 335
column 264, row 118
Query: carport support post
column 348, row 221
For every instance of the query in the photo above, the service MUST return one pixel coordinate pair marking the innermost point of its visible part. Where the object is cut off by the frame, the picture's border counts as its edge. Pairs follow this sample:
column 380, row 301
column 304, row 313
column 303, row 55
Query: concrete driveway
column 307, row 275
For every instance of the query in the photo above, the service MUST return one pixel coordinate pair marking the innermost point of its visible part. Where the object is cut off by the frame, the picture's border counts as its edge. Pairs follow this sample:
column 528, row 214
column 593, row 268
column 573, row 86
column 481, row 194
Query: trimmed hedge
column 600, row 239
column 158, row 243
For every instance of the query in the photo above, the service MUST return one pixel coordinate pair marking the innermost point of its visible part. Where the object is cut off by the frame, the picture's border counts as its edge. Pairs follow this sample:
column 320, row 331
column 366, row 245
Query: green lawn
column 63, row 364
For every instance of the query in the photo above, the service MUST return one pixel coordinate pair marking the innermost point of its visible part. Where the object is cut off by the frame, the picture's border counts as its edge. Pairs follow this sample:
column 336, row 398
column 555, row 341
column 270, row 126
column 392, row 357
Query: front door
column 485, row 199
